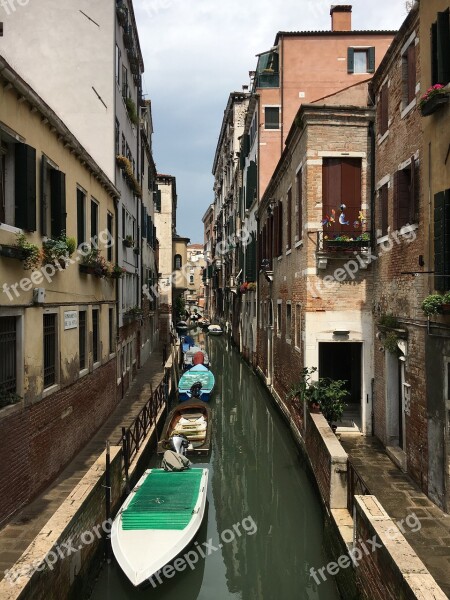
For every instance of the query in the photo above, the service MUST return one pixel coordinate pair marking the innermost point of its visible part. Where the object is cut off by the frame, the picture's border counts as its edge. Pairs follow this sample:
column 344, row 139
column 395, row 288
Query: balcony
column 341, row 246
column 268, row 79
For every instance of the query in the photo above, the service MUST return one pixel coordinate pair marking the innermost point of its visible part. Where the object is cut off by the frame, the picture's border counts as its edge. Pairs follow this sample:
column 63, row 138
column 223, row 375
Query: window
column 94, row 220
column 124, row 82
column 383, row 110
column 191, row 279
column 110, row 229
column 111, row 330
column 409, row 74
column 50, row 343
column 298, row 326
column 95, row 335
column 123, row 145
column 272, row 117
column 81, row 217
column 17, row 183
column 278, row 229
column 341, row 186
column 440, row 49
column 405, row 196
column 384, row 218
column 82, row 338
column 279, row 316
column 441, row 243
column 8, row 355
column 177, row 261
column 288, row 321
column 53, row 199
column 118, row 56
column 289, row 220
column 299, row 190
column 117, row 137
column 251, row 184
column 361, row 60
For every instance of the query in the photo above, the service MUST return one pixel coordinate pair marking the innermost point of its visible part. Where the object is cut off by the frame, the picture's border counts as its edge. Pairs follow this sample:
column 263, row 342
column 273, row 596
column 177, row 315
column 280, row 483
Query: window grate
column 95, row 337
column 49, row 350
column 8, row 365
column 82, row 338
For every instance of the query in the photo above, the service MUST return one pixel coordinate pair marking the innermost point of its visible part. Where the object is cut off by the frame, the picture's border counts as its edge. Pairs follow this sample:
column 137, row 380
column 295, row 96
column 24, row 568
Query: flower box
column 12, row 252
column 433, row 103
column 342, row 245
column 91, row 270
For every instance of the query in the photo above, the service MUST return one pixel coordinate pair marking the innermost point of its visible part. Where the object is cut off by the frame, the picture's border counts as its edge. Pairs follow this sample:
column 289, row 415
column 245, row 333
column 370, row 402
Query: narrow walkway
column 400, row 497
column 21, row 531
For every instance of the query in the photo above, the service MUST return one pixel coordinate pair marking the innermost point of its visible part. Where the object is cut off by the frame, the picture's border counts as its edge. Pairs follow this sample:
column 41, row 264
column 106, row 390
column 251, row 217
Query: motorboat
column 215, row 330
column 190, row 359
column 197, row 382
column 187, row 429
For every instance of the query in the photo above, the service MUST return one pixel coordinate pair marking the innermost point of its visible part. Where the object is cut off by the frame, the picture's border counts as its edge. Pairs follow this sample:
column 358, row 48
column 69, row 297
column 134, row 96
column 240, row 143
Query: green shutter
column 371, row 59
column 434, row 54
column 149, row 230
column 251, row 187
column 154, row 237
column 442, row 240
column 44, row 199
column 58, row 202
column 25, row 186
column 443, row 47
column 158, row 201
column 350, row 60
column 250, row 261
column 144, row 221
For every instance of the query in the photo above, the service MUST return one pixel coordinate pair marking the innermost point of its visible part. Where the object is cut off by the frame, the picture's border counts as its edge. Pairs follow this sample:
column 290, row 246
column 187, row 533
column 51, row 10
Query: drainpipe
column 372, row 184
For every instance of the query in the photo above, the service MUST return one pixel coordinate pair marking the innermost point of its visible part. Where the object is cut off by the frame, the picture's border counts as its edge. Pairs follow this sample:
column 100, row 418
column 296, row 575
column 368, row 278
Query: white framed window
column 298, row 326
column 271, row 117
column 288, row 321
column 279, row 316
column 50, row 349
column 96, row 336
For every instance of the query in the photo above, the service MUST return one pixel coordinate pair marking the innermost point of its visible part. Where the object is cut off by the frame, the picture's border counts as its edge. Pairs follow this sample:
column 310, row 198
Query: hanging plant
column 390, row 342
column 125, row 165
column 31, row 253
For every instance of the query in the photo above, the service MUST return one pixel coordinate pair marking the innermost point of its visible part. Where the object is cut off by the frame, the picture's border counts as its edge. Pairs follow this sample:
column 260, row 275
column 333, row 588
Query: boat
column 189, row 356
column 182, row 326
column 215, row 330
column 191, row 419
column 187, row 342
column 158, row 520
column 198, row 382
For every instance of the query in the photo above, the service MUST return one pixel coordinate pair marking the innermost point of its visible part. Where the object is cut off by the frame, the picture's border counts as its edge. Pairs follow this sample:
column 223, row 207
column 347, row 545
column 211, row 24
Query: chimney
column 341, row 17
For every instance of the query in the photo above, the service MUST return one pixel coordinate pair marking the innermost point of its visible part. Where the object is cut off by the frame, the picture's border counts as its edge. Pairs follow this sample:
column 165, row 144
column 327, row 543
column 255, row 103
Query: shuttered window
column 299, row 190
column 25, row 186
column 384, row 222
column 50, row 344
column 289, row 220
column 361, row 60
column 383, row 110
column 82, row 338
column 158, row 200
column 8, row 354
column 405, row 196
column 280, row 229
column 442, row 241
column 440, row 49
column 272, row 117
column 109, row 227
column 409, row 74
column 251, row 187
column 81, row 217
column 250, row 261
column 94, row 220
column 95, row 335
column 341, row 186
column 144, row 221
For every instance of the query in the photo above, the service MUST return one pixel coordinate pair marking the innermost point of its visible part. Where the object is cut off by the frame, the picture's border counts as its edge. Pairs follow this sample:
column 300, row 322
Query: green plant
column 117, row 271
column 58, row 249
column 329, row 394
column 98, row 262
column 388, row 320
column 32, row 254
column 134, row 311
column 432, row 305
column 127, row 168
column 390, row 342
column 300, row 389
column 434, row 90
column 132, row 111
column 71, row 245
column 446, row 298
column 7, row 398
column 180, row 307
column 128, row 241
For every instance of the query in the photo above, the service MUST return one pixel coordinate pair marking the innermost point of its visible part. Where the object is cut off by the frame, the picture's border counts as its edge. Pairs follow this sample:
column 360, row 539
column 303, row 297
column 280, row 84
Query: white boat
column 215, row 330
column 158, row 520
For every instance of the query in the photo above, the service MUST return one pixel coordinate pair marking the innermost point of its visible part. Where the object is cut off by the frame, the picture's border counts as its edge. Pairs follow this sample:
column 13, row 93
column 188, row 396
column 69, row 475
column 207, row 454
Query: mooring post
column 125, row 459
column 108, row 500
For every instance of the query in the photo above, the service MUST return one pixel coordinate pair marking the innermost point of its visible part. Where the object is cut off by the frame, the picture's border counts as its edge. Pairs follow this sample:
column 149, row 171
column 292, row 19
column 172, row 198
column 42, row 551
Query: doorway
column 342, row 360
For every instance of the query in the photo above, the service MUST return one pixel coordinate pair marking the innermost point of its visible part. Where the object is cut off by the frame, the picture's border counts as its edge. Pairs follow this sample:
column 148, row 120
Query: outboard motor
column 196, row 389
column 179, row 443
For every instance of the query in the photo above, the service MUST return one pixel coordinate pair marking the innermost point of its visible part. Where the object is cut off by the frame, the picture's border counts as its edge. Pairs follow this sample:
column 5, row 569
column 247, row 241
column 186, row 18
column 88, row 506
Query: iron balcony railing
column 342, row 242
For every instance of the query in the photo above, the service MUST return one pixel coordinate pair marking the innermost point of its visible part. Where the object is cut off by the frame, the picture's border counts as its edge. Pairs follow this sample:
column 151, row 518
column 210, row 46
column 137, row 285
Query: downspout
column 281, row 51
column 372, row 184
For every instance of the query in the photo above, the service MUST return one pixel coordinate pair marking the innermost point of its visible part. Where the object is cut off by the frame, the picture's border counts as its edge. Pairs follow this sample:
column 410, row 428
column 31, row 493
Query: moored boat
column 215, row 330
column 187, row 342
column 158, row 520
column 182, row 326
column 189, row 356
column 198, row 382
column 191, row 419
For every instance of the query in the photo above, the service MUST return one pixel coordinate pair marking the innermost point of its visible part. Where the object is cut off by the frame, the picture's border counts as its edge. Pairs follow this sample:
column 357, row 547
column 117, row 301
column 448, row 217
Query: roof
column 329, row 33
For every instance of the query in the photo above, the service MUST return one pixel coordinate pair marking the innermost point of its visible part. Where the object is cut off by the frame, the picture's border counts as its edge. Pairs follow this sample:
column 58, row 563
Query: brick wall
column 40, row 439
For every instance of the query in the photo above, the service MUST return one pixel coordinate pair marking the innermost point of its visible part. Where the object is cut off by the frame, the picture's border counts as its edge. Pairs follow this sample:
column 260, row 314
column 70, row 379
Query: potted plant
column 94, row 264
column 7, row 398
column 127, row 169
column 117, row 272
column 132, row 111
column 136, row 250
column 432, row 305
column 434, row 97
column 300, row 390
column 330, row 394
column 251, row 287
column 58, row 250
column 30, row 253
column 128, row 242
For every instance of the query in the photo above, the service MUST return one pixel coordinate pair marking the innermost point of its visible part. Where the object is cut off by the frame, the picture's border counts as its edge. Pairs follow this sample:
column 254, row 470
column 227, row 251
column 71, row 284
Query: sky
column 198, row 51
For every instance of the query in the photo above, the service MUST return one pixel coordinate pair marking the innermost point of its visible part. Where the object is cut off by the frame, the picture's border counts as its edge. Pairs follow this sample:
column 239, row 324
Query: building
column 58, row 316
column 94, row 85
column 195, row 295
column 180, row 276
column 208, row 226
column 314, row 289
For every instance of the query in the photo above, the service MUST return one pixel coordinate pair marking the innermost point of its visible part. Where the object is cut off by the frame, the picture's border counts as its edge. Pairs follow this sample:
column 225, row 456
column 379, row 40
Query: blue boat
column 187, row 342
column 198, row 382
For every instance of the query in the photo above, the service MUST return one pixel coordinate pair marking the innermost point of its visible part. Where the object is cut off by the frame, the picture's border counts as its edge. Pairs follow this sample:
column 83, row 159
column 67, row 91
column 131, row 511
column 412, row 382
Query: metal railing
column 355, row 485
column 133, row 436
column 348, row 241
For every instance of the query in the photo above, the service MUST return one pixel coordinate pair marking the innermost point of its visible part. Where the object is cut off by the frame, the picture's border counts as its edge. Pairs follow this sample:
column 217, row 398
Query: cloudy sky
column 196, row 52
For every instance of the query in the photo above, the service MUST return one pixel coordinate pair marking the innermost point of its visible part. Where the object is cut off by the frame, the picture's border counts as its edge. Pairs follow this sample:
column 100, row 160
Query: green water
column 259, row 485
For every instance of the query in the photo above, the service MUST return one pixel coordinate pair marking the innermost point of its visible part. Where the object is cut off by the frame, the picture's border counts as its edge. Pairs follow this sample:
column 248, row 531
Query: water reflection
column 255, row 470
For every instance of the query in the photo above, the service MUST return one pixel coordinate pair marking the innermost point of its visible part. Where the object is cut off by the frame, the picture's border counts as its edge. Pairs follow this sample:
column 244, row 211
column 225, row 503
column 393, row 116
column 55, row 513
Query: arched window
column 191, row 279
column 177, row 261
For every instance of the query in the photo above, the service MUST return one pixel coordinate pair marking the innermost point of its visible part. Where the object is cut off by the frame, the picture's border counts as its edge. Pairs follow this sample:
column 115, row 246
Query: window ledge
column 406, row 229
column 383, row 137
column 299, row 244
column 288, row 341
column 288, row 252
column 408, row 109
column 280, row 257
column 83, row 373
column 10, row 228
column 382, row 239
column 51, row 390
column 96, row 365
column 297, row 349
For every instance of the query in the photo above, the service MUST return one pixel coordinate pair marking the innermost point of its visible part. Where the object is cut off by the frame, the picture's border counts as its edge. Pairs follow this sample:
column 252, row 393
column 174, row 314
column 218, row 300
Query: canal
column 262, row 508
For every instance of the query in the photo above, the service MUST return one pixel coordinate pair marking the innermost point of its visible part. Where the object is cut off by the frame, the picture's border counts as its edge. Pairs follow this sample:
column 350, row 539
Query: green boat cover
column 193, row 375
column 165, row 500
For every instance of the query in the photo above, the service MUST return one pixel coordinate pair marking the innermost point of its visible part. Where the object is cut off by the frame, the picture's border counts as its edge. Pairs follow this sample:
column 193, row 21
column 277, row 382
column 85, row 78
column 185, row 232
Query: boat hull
column 142, row 553
column 197, row 373
column 200, row 438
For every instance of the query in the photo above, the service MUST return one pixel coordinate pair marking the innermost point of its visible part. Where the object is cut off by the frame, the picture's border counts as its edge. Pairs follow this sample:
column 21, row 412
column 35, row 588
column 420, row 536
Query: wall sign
column 70, row 319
